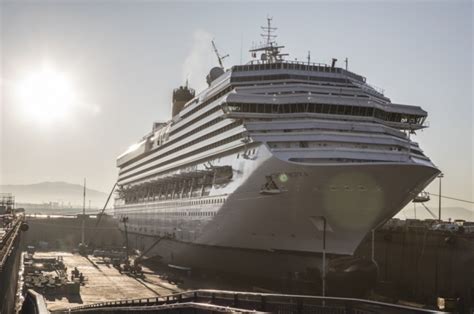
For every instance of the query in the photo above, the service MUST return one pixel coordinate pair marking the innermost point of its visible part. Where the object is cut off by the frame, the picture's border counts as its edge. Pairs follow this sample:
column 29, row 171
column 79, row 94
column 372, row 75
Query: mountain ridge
column 53, row 191
column 453, row 212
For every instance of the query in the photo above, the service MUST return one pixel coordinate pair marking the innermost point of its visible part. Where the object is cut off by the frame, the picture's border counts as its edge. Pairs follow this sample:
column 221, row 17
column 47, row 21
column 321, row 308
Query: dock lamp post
column 323, row 271
column 440, row 176
column 324, row 256
column 83, row 222
column 316, row 222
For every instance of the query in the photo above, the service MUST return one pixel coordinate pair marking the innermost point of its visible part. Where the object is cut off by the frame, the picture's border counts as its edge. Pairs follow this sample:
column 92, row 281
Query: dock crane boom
column 101, row 214
column 219, row 57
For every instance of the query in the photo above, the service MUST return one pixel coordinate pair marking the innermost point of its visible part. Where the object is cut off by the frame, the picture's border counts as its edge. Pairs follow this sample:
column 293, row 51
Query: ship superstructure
column 254, row 163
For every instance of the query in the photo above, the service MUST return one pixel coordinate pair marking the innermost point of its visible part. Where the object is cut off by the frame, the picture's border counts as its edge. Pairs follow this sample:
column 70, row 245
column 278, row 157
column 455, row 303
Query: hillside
column 60, row 192
column 447, row 212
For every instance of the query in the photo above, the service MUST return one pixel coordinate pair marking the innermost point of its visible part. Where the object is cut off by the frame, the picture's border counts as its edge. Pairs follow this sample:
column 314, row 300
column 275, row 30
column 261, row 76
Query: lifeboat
column 422, row 197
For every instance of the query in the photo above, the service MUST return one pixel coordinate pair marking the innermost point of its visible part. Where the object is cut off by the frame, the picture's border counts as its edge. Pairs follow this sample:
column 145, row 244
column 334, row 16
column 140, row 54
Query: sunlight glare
column 46, row 95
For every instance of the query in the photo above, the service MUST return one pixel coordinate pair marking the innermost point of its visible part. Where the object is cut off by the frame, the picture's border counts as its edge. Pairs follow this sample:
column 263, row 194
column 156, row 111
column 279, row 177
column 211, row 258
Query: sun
column 46, row 95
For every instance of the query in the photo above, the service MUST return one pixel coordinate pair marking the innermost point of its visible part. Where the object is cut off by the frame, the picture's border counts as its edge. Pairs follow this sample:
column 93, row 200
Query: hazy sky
column 123, row 59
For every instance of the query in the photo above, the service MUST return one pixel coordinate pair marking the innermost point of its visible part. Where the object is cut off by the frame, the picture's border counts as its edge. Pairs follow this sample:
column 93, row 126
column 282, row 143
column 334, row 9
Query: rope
column 453, row 198
column 431, row 213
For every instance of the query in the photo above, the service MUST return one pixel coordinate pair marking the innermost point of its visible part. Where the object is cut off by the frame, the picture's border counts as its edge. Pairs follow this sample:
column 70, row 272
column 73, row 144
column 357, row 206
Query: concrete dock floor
column 105, row 283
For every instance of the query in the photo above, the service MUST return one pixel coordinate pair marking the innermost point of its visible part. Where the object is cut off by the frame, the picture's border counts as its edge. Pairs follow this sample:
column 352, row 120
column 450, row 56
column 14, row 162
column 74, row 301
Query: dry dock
column 415, row 264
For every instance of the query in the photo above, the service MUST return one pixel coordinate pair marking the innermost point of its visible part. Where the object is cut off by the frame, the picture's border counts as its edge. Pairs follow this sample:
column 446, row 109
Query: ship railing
column 376, row 88
column 291, row 62
column 297, row 65
column 262, row 302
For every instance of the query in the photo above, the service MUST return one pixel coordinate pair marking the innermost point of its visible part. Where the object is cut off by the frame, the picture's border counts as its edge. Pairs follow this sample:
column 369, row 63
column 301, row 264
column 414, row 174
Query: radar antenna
column 219, row 57
column 271, row 50
column 269, row 36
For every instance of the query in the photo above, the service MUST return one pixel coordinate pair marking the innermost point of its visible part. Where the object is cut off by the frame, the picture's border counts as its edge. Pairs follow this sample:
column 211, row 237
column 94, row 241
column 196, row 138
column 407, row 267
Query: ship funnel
column 181, row 96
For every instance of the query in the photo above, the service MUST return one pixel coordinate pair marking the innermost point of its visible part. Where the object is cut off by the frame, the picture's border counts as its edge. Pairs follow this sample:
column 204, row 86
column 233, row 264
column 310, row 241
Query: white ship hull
column 213, row 259
column 353, row 198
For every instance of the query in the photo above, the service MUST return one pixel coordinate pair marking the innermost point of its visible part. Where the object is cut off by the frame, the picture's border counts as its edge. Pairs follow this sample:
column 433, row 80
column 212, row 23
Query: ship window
column 193, row 142
column 208, row 101
column 325, row 108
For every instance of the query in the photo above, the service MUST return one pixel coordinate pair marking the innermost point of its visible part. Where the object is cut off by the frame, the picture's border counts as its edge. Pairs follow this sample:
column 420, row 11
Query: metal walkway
column 10, row 251
column 215, row 301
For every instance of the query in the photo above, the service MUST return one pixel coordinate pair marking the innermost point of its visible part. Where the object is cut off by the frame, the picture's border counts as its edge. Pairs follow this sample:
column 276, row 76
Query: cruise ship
column 272, row 162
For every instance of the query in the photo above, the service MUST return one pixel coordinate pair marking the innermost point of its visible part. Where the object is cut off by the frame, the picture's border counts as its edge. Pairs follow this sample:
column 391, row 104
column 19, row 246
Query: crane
column 99, row 217
column 219, row 57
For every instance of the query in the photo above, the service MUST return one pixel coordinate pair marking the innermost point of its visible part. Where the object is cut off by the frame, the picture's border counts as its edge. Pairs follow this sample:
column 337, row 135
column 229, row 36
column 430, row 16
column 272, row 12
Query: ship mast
column 270, row 49
column 269, row 32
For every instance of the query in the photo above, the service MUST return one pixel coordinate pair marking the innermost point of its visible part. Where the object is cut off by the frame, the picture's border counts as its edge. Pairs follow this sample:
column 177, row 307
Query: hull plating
column 353, row 198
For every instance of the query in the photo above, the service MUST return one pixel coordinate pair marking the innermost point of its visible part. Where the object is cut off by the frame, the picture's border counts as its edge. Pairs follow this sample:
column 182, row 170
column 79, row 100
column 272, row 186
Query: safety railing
column 8, row 239
column 264, row 302
column 258, row 65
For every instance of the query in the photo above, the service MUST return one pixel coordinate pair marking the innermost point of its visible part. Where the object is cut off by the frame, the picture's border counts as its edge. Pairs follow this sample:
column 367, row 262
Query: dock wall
column 64, row 233
column 420, row 264
column 10, row 258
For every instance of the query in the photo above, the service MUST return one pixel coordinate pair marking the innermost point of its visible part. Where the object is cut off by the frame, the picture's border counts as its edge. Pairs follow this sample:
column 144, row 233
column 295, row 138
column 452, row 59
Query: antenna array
column 270, row 49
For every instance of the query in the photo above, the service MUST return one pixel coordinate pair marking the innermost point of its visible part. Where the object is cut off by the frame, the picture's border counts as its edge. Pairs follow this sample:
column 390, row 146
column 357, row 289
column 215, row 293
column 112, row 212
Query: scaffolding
column 7, row 203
